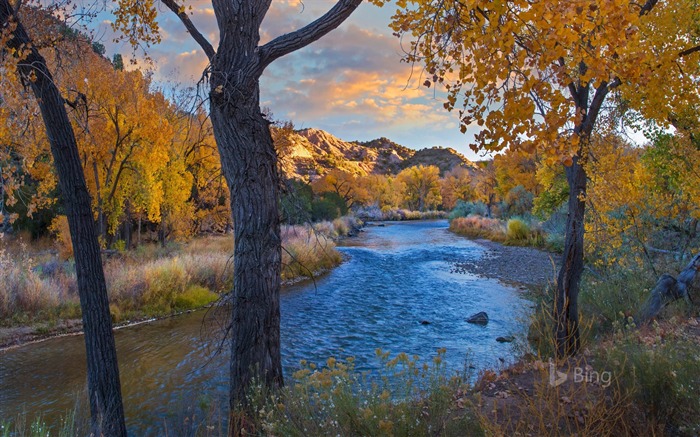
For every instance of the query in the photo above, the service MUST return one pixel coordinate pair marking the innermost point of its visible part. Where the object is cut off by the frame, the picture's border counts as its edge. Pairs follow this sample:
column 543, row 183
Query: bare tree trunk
column 249, row 164
column 104, row 389
column 566, row 297
column 138, row 239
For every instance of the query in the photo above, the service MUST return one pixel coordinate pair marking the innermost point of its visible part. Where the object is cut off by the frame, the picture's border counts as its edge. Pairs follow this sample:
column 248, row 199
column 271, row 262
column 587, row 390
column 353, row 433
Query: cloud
column 351, row 82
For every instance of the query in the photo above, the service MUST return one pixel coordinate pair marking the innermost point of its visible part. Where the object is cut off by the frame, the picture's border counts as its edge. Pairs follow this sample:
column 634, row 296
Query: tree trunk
column 138, row 239
column 249, row 163
column 103, row 373
column 566, row 297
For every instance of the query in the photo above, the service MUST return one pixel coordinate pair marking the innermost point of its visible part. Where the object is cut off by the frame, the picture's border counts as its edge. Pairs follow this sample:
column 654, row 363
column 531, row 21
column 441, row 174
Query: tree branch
column 689, row 51
column 300, row 38
column 598, row 98
column 647, row 7
column 196, row 34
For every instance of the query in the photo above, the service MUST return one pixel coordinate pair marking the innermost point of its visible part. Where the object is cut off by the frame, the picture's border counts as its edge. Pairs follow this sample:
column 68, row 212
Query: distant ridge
column 314, row 152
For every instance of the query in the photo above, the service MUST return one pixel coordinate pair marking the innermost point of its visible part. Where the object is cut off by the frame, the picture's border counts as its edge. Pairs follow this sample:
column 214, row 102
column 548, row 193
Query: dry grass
column 152, row 280
column 308, row 251
column 515, row 231
column 479, row 227
column 28, row 290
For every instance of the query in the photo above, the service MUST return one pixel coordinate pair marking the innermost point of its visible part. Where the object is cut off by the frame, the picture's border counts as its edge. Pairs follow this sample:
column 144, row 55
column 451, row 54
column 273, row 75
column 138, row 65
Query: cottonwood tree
column 248, row 161
column 534, row 75
column 421, row 185
column 22, row 59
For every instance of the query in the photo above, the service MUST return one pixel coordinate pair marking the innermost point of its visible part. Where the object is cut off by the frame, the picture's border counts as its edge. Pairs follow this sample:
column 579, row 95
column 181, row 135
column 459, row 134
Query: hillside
column 444, row 158
column 314, row 152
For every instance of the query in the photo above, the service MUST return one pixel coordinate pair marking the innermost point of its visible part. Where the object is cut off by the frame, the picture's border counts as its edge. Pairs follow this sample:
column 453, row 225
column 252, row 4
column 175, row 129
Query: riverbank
column 518, row 265
column 40, row 301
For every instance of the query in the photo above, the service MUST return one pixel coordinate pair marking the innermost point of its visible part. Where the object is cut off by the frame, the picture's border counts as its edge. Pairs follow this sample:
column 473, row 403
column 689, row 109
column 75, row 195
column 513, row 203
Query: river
column 395, row 277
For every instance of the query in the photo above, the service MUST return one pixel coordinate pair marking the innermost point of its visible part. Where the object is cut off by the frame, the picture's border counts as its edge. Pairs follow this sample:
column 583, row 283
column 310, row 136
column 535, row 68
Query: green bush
column 613, row 298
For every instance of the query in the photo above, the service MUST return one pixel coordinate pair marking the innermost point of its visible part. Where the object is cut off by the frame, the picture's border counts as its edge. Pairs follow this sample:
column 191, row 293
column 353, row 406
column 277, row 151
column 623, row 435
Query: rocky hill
column 444, row 158
column 314, row 152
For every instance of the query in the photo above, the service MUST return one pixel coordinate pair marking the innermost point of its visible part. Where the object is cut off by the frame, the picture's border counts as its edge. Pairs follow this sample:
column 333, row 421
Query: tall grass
column 153, row 280
column 308, row 251
column 26, row 291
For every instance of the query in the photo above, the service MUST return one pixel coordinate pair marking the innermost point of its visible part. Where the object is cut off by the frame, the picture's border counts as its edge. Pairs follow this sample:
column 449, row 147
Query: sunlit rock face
column 314, row 152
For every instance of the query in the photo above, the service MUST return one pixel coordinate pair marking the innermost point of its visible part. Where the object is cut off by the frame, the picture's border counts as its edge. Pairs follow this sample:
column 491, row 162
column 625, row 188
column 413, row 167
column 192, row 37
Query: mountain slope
column 314, row 152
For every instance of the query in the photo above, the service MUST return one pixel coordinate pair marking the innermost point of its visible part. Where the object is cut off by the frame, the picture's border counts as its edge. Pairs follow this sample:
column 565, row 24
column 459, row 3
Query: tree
column 104, row 389
column 456, row 185
column 485, row 184
column 340, row 182
column 248, row 161
column 534, row 75
column 421, row 186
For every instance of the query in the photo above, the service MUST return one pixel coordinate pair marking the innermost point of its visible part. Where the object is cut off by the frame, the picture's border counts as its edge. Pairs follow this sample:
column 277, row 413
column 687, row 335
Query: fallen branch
column 669, row 289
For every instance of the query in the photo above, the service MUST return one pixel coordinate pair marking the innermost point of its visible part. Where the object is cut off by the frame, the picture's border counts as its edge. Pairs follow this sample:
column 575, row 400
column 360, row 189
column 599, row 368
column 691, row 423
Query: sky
column 350, row 83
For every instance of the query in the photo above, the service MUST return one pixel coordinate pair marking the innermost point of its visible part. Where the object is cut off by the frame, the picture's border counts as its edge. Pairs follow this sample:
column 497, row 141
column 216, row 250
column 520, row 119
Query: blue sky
column 350, row 83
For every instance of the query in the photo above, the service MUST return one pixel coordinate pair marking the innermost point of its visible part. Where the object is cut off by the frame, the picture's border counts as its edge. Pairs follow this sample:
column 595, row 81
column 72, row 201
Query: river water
column 395, row 277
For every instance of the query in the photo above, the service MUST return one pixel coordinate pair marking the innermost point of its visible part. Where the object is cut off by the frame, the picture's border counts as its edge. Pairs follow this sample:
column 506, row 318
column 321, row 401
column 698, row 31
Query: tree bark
column 104, row 388
column 249, row 163
column 566, row 298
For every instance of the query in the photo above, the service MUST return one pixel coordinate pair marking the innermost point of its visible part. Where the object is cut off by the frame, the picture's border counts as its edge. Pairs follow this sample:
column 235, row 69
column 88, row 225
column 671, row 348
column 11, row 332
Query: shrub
column 407, row 399
column 479, row 227
column 24, row 293
column 324, row 228
column 661, row 371
column 195, row 296
column 163, row 281
column 613, row 298
column 465, row 209
column 518, row 230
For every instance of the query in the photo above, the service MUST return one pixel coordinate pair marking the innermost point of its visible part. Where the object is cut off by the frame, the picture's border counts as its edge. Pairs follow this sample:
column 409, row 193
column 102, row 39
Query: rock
column 424, row 322
column 480, row 318
column 506, row 339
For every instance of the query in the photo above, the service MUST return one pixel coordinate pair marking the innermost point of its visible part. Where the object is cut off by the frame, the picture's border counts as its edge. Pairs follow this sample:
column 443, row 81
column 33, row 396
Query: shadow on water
column 396, row 277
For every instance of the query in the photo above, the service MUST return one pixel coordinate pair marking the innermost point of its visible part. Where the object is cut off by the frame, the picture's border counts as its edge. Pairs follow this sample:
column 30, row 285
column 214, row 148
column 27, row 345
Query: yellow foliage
column 59, row 229
column 518, row 68
column 421, row 187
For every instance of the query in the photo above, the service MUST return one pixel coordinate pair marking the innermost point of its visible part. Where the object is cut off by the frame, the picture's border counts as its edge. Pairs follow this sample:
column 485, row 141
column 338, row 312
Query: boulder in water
column 506, row 339
column 480, row 318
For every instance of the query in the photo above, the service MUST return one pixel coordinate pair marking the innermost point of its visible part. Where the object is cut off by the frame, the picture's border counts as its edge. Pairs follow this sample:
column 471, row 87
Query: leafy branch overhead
column 518, row 69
